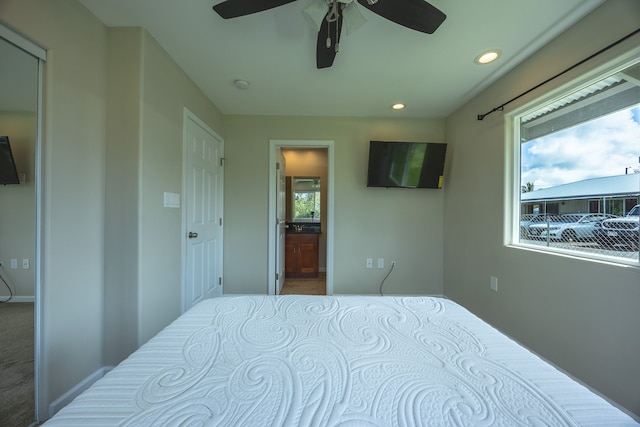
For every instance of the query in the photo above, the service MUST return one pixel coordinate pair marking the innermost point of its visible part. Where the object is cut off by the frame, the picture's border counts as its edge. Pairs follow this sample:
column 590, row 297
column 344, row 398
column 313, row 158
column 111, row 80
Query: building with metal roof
column 611, row 194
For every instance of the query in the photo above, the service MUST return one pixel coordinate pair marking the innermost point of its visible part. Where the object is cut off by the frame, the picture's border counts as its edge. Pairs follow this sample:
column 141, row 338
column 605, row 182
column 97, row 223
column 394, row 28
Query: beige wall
column 166, row 91
column 121, row 294
column 17, row 206
column 99, row 177
column 147, row 96
column 404, row 225
column 581, row 315
column 73, row 177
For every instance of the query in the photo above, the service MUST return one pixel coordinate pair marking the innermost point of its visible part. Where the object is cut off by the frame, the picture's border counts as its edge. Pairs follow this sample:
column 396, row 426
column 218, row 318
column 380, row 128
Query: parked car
column 527, row 220
column 570, row 227
column 621, row 230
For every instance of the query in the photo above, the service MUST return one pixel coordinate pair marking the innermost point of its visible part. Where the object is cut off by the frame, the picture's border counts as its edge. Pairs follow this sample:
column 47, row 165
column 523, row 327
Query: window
column 578, row 170
column 306, row 198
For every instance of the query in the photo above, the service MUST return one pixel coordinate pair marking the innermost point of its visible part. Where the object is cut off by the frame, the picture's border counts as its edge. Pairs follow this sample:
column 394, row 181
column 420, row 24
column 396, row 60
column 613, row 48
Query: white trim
column 329, row 145
column 76, row 390
column 23, row 43
column 577, row 82
column 19, row 299
column 40, row 373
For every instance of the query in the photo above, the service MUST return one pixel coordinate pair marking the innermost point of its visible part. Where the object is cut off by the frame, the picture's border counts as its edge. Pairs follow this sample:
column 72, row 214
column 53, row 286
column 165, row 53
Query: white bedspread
column 335, row 361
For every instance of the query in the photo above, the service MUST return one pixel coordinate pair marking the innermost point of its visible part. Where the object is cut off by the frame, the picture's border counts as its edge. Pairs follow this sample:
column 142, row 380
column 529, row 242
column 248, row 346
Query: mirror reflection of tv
column 406, row 164
column 8, row 171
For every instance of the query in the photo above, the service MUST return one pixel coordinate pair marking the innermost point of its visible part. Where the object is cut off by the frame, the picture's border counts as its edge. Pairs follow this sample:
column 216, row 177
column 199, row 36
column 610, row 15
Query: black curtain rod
column 501, row 106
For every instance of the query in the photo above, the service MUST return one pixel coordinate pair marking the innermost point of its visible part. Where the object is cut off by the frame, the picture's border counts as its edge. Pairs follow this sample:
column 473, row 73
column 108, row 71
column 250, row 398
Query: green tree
column 527, row 187
column 307, row 202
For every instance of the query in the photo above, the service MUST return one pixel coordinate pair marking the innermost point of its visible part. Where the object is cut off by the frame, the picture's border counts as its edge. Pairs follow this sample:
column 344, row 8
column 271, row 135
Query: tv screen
column 406, row 164
column 8, row 172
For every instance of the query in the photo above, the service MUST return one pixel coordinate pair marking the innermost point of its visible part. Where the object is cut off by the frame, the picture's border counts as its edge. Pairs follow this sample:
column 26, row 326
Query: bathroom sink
column 308, row 228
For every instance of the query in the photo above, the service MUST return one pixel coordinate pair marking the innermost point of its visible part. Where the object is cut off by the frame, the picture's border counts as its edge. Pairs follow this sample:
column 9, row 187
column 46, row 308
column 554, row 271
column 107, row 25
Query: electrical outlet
column 14, row 263
column 369, row 262
column 380, row 262
column 494, row 284
column 25, row 263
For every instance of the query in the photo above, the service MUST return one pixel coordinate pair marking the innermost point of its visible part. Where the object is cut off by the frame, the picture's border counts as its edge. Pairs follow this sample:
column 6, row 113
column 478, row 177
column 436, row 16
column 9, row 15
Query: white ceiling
column 379, row 64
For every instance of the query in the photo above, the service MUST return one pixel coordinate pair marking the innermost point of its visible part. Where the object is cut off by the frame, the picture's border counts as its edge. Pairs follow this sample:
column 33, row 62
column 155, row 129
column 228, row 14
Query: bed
column 335, row 361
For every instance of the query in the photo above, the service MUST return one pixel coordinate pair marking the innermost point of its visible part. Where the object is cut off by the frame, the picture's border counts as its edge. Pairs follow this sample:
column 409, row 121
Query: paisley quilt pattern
column 335, row 361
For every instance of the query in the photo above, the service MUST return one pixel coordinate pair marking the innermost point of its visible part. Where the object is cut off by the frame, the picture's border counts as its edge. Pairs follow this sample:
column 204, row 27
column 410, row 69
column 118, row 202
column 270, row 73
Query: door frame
column 281, row 214
column 328, row 228
column 189, row 115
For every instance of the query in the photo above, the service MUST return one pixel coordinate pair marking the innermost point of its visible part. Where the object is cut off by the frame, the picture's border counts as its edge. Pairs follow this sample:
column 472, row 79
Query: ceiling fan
column 328, row 15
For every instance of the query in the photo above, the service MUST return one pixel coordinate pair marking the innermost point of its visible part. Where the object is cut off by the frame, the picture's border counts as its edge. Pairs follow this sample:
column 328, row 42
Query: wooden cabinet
column 301, row 255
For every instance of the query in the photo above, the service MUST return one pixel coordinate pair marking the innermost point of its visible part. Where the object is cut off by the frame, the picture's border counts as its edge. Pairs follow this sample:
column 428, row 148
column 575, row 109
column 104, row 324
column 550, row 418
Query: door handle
column 192, row 235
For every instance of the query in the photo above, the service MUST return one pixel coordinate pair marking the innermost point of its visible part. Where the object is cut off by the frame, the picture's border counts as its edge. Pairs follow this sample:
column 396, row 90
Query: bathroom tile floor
column 311, row 286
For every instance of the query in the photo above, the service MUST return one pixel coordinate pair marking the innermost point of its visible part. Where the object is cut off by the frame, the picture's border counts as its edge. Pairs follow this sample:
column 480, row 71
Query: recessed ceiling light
column 398, row 106
column 488, row 56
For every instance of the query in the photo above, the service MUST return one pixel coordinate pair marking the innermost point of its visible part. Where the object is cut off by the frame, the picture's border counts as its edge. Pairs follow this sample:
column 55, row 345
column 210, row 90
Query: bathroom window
column 306, row 197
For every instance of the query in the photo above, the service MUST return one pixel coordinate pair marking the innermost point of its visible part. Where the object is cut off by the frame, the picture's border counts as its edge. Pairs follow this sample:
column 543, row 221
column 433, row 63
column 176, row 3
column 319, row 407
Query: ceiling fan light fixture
column 353, row 19
column 316, row 12
column 488, row 56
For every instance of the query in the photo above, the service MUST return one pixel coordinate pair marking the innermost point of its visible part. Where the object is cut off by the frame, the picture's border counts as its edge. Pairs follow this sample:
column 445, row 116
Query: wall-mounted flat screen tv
column 406, row 164
column 8, row 171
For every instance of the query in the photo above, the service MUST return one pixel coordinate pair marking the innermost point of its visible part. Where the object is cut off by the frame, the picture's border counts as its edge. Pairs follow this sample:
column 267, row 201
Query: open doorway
column 305, row 233
column 305, row 195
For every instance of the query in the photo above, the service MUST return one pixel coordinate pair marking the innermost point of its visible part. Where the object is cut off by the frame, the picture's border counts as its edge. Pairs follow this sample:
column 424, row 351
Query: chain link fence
column 595, row 233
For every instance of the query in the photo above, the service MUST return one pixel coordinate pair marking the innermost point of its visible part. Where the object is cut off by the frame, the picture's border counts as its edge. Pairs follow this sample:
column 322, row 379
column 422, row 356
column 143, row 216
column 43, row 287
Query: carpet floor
column 17, row 405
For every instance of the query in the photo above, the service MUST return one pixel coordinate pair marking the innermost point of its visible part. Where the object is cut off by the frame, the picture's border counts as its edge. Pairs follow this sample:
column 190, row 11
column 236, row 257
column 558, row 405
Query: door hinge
column 277, row 166
column 220, row 281
column 277, row 277
column 221, row 161
column 221, row 222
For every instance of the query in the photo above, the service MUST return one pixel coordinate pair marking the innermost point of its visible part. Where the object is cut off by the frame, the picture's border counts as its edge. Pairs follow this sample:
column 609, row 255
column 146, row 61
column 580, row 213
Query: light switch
column 171, row 200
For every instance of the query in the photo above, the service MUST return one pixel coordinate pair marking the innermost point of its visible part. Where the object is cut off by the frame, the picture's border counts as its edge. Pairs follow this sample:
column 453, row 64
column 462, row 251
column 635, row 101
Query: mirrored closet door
column 20, row 76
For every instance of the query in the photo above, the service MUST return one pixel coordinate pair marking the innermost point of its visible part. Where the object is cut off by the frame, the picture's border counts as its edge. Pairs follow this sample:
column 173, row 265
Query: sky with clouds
column 602, row 147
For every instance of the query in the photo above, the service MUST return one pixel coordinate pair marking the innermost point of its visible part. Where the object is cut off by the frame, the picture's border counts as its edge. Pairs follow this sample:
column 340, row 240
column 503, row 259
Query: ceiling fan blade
column 328, row 40
column 234, row 8
column 415, row 14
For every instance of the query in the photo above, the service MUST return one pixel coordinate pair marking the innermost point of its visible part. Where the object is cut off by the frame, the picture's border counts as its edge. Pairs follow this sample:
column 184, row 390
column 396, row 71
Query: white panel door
column 203, row 213
column 281, row 212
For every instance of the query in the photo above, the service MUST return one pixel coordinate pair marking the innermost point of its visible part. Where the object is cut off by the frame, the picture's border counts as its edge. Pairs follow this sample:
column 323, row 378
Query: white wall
column 404, row 225
column 581, row 315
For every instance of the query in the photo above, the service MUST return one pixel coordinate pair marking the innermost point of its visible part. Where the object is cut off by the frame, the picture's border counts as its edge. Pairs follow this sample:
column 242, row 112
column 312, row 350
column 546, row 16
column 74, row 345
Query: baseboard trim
column 76, row 390
column 18, row 299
